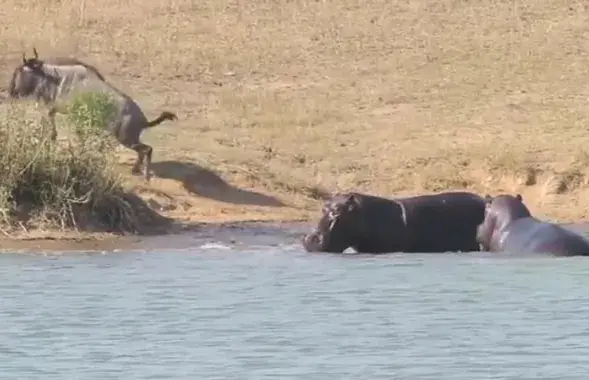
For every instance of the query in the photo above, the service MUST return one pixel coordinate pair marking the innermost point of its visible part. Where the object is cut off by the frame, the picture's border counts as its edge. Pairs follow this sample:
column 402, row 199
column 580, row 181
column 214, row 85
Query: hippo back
column 444, row 222
column 383, row 226
column 530, row 235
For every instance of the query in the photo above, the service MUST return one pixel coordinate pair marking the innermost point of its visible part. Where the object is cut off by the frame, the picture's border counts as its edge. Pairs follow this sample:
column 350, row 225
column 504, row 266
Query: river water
column 237, row 309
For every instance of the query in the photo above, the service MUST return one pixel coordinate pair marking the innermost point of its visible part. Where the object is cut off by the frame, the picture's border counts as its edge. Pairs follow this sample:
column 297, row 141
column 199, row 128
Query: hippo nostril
column 314, row 237
column 319, row 239
column 312, row 241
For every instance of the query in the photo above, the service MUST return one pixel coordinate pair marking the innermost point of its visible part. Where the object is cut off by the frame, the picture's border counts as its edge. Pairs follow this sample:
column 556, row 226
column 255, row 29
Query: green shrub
column 89, row 114
column 70, row 185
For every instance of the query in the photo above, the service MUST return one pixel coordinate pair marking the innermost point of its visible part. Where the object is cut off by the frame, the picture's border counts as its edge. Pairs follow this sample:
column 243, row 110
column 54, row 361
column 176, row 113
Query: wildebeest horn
column 35, row 52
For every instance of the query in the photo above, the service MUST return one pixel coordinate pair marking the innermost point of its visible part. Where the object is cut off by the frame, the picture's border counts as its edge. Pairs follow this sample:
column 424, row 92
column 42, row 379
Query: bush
column 89, row 114
column 69, row 185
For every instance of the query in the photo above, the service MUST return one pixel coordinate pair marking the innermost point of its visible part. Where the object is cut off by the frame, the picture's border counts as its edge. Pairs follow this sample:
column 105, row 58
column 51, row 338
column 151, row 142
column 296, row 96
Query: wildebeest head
column 28, row 77
column 338, row 227
column 499, row 212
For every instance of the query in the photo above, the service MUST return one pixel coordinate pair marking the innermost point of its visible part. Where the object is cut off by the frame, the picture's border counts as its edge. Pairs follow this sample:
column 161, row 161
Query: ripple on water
column 265, row 313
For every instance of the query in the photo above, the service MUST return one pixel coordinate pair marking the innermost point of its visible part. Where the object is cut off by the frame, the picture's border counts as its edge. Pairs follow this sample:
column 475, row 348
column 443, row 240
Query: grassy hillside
column 291, row 97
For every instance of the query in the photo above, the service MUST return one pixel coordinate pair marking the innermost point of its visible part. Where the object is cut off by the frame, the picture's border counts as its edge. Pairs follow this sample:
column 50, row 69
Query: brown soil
column 280, row 102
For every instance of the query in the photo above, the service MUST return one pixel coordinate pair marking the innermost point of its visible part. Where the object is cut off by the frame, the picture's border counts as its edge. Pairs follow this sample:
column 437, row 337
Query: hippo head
column 338, row 227
column 499, row 211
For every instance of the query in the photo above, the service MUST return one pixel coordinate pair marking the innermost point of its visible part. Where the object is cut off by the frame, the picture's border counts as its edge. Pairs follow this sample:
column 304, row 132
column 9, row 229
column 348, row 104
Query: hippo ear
column 488, row 199
column 352, row 201
column 519, row 197
column 334, row 195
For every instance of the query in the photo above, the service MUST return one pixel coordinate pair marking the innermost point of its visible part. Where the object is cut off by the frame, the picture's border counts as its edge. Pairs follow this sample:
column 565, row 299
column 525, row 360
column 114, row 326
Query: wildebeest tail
column 165, row 115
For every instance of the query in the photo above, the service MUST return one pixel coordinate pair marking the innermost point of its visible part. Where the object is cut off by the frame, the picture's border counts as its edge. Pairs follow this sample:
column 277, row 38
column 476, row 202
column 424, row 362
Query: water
column 270, row 312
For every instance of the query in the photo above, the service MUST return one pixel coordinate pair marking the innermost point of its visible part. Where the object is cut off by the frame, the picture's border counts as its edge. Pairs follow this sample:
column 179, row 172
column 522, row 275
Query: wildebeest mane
column 70, row 61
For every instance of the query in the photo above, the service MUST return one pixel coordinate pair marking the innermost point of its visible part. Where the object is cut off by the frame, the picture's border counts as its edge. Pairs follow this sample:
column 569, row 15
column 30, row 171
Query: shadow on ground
column 206, row 183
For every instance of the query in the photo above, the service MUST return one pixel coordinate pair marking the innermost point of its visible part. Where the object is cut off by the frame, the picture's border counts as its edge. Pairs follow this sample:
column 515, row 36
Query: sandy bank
column 389, row 98
column 242, row 216
column 178, row 236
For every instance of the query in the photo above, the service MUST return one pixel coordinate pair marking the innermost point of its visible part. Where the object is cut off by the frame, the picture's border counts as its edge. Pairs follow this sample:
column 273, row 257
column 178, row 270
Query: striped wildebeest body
column 56, row 81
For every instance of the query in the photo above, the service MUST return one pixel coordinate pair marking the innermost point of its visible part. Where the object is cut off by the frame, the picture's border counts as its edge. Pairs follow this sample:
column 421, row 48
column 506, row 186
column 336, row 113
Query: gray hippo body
column 510, row 227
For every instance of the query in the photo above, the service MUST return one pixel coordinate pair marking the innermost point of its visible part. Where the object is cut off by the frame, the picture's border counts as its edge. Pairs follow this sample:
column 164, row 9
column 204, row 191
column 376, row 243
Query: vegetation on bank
column 71, row 183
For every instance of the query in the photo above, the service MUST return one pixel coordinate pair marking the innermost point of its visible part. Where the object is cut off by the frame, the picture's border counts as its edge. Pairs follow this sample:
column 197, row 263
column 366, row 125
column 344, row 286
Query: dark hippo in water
column 427, row 223
column 510, row 227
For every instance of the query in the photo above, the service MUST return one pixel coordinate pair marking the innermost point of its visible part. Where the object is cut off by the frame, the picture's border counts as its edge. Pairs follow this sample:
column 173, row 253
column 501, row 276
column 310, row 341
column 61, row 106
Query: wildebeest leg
column 147, row 163
column 137, row 165
column 144, row 153
column 51, row 113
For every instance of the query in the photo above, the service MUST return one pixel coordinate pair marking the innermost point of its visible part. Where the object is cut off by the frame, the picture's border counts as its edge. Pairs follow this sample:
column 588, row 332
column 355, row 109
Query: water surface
column 271, row 311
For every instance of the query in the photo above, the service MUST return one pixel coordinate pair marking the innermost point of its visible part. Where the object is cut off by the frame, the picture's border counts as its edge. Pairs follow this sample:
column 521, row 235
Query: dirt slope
column 280, row 99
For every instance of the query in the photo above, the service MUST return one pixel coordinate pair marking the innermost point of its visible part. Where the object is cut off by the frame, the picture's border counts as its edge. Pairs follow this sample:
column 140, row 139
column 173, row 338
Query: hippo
column 443, row 222
column 510, row 227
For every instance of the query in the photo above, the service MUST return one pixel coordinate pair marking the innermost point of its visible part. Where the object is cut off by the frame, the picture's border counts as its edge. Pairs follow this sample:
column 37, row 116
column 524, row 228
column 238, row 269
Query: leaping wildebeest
column 55, row 81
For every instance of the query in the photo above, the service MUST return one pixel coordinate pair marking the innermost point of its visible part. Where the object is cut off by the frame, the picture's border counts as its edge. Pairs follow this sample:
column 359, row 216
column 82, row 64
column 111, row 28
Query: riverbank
column 390, row 98
column 173, row 216
column 189, row 218
column 178, row 236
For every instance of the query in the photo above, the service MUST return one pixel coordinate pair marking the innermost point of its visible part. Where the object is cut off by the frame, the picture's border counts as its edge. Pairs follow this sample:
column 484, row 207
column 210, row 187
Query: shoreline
column 175, row 219
column 179, row 235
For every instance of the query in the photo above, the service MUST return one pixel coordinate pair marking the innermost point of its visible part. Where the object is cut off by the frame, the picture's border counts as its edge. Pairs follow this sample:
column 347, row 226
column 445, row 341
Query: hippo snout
column 312, row 241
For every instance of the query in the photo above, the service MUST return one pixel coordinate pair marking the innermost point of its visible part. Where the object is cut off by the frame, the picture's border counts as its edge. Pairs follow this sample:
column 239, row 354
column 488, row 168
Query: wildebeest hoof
column 147, row 174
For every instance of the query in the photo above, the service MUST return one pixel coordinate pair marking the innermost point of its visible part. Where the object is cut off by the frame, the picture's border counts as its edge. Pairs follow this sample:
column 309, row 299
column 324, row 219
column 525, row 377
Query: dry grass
column 388, row 97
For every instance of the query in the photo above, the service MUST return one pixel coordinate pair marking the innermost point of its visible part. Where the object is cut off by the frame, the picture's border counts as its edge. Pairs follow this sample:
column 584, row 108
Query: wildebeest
column 444, row 222
column 510, row 227
column 55, row 81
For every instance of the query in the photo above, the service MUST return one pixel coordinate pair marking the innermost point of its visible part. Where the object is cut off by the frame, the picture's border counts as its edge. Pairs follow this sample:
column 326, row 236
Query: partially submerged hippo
column 369, row 224
column 510, row 227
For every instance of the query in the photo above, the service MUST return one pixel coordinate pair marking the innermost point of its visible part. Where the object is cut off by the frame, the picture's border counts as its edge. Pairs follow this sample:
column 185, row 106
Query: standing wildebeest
column 510, row 227
column 428, row 223
column 56, row 80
